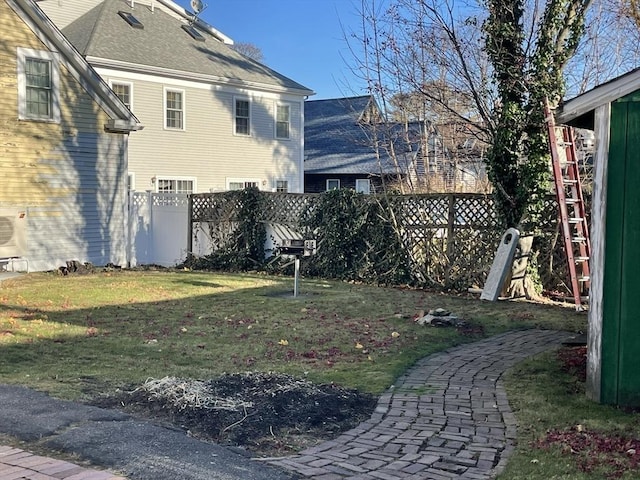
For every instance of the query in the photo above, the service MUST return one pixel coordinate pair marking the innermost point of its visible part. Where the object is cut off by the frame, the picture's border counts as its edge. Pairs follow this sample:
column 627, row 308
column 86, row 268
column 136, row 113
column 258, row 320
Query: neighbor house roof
column 121, row 118
column 163, row 47
column 338, row 141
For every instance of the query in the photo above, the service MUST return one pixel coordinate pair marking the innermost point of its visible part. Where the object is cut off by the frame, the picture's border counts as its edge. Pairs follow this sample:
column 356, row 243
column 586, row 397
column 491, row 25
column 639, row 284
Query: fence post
column 451, row 219
column 190, row 226
column 150, row 243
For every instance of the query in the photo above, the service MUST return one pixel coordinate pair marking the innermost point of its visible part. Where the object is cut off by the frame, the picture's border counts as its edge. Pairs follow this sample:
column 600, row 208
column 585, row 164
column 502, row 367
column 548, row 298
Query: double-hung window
column 174, row 109
column 242, row 112
column 38, row 85
column 283, row 121
column 124, row 91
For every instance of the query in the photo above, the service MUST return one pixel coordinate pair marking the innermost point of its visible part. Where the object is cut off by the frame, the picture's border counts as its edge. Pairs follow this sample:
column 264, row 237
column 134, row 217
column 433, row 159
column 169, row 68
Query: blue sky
column 301, row 39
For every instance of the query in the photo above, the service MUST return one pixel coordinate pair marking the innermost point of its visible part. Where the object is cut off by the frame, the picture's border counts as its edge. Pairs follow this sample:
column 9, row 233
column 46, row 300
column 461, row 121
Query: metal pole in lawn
column 297, row 275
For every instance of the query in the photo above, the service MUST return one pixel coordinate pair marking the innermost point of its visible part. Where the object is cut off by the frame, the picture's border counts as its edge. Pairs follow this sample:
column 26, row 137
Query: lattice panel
column 473, row 211
column 424, row 210
column 286, row 208
column 448, row 248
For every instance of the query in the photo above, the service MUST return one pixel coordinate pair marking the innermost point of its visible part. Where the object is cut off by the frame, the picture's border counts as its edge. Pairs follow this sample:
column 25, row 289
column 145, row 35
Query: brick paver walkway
column 16, row 464
column 447, row 417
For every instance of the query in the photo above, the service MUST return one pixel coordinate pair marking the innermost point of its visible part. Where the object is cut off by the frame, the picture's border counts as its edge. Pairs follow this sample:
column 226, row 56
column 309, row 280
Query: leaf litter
column 611, row 453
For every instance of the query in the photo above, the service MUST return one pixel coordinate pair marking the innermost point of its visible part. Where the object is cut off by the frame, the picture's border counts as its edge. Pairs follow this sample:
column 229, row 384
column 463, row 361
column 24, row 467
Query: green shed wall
column 620, row 380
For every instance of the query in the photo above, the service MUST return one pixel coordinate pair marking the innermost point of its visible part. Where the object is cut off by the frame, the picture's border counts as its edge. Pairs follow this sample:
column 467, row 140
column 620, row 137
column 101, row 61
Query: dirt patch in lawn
column 268, row 414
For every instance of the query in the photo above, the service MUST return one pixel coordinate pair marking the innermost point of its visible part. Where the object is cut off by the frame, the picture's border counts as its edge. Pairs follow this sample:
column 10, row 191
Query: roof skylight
column 130, row 19
column 195, row 34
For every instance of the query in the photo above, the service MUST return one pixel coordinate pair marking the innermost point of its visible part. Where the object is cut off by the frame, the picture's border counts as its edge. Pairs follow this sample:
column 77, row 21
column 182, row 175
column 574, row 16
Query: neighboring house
column 214, row 119
column 463, row 168
column 343, row 147
column 64, row 137
column 348, row 144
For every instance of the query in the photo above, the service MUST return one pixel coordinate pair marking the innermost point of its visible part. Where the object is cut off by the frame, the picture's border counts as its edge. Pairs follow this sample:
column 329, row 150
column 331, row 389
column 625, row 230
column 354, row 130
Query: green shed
column 612, row 111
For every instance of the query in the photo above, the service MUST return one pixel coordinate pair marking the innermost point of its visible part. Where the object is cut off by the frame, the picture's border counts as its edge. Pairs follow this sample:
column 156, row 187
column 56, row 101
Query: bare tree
column 249, row 50
column 502, row 57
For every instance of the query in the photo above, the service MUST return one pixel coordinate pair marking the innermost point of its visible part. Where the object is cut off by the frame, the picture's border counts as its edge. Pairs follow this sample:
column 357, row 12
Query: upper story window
column 175, row 185
column 283, row 121
column 242, row 116
column 38, row 85
column 124, row 91
column 174, row 109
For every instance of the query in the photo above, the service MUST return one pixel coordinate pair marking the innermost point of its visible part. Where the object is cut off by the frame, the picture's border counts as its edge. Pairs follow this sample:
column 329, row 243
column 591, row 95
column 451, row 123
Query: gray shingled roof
column 336, row 143
column 102, row 33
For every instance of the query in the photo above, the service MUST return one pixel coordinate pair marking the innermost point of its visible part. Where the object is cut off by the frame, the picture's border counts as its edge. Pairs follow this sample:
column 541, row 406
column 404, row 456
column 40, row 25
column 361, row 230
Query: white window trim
column 164, row 109
column 175, row 177
column 113, row 82
column 368, row 185
column 275, row 123
column 54, row 58
column 235, row 117
column 331, row 180
column 230, row 180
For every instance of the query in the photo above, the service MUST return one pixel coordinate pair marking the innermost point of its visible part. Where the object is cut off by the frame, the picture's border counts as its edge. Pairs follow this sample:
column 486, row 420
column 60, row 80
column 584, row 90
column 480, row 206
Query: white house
column 214, row 119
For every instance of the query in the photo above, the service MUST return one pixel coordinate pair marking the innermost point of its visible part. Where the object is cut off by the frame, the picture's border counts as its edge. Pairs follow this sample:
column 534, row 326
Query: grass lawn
column 77, row 336
column 562, row 434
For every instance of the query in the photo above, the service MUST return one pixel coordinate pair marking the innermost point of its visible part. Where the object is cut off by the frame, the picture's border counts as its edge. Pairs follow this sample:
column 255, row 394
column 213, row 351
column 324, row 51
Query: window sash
column 283, row 121
column 174, row 110
column 242, row 117
column 170, row 185
column 333, row 184
column 241, row 185
column 363, row 185
column 282, row 186
column 123, row 92
column 39, row 88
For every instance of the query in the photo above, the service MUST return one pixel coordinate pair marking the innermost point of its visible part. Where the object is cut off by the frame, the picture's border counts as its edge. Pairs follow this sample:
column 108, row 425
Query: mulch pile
column 264, row 413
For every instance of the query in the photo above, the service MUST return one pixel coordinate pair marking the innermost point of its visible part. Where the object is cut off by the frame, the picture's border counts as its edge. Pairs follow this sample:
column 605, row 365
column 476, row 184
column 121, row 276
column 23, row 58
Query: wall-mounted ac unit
column 13, row 229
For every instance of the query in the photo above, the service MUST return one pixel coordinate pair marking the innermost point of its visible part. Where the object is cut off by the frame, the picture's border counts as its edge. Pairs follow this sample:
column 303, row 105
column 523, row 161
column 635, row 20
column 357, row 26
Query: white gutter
column 197, row 77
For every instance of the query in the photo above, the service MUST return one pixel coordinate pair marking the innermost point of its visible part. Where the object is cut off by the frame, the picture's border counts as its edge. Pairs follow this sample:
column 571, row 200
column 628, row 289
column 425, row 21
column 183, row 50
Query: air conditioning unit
column 13, row 228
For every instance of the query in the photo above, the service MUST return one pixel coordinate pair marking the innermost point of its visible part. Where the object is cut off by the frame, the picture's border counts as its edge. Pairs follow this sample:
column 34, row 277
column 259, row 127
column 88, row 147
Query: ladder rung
column 575, row 220
column 571, row 201
column 581, row 259
column 584, row 279
column 568, row 181
column 578, row 239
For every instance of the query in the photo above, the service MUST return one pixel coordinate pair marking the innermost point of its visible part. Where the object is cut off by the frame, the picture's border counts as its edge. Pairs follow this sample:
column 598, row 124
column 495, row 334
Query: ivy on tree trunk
column 518, row 159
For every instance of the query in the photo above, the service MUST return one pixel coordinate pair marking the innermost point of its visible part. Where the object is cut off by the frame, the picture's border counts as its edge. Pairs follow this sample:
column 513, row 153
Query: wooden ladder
column 573, row 220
